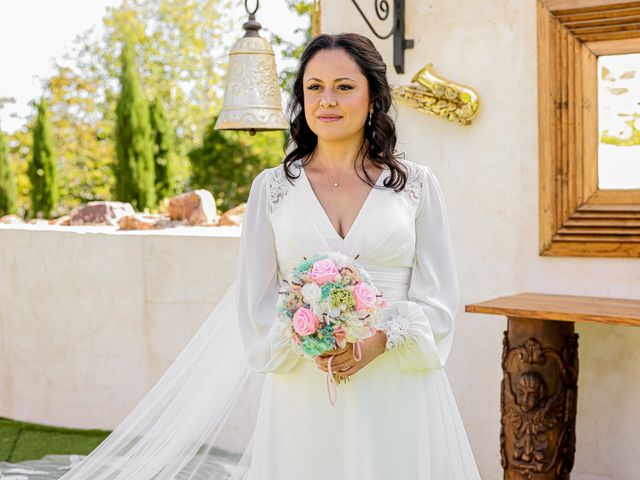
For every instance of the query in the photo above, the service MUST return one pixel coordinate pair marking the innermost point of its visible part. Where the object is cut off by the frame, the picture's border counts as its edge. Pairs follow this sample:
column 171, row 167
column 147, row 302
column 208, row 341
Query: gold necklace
column 336, row 183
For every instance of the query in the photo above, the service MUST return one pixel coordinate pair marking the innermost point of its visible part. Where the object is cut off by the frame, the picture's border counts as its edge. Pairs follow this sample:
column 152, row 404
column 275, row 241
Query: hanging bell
column 252, row 94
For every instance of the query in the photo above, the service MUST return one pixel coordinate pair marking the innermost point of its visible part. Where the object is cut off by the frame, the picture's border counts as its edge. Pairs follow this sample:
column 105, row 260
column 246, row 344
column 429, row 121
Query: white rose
column 311, row 293
column 340, row 259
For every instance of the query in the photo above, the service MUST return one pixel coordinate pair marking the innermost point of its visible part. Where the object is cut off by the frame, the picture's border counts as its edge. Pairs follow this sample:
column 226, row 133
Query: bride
column 240, row 402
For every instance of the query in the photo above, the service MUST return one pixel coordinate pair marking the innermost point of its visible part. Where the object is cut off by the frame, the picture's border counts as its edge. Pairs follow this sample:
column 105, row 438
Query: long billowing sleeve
column 420, row 330
column 267, row 347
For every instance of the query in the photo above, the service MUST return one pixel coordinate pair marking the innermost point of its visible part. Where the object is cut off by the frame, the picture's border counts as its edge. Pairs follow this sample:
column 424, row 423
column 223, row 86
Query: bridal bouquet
column 328, row 301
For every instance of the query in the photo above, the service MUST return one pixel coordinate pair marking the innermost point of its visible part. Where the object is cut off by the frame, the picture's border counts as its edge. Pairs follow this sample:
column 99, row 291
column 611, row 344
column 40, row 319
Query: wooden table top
column 567, row 308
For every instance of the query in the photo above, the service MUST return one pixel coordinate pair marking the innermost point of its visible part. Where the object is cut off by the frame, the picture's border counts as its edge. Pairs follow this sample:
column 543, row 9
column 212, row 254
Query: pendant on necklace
column 336, row 184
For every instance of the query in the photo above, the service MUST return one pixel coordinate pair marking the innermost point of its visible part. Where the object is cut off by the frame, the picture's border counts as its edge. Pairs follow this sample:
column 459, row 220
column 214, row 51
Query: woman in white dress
column 340, row 188
column 396, row 417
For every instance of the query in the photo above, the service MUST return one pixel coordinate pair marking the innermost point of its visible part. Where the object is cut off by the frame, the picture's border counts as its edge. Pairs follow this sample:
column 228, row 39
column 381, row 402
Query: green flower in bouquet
column 342, row 296
column 321, row 341
column 327, row 288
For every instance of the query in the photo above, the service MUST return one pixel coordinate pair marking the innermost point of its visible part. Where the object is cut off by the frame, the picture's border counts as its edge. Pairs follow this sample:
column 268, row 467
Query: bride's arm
column 420, row 330
column 267, row 348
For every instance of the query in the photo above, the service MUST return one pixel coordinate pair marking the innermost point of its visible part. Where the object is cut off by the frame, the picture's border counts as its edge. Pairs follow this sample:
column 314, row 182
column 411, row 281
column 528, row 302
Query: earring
column 370, row 114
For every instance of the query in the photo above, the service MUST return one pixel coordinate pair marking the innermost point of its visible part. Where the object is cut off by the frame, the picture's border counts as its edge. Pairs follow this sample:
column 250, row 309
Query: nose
column 328, row 100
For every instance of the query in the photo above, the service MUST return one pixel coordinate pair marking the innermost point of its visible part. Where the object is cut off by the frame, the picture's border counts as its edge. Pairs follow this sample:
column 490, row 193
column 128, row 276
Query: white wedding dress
column 395, row 419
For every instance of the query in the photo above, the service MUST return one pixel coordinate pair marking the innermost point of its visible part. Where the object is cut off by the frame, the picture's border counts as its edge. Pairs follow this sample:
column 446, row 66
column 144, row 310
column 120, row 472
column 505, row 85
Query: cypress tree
column 42, row 169
column 8, row 188
column 164, row 150
column 135, row 174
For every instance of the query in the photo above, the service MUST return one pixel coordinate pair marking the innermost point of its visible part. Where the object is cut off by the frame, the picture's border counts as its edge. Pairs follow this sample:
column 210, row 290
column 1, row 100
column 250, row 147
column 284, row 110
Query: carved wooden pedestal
column 538, row 399
column 540, row 377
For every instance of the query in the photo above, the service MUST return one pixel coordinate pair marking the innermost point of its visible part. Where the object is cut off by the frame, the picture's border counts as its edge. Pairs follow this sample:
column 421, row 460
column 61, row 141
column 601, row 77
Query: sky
column 33, row 33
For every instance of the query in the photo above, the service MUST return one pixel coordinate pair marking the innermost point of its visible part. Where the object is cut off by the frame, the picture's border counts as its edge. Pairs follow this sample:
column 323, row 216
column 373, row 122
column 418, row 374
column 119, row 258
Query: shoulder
column 421, row 183
column 415, row 171
column 274, row 184
column 268, row 177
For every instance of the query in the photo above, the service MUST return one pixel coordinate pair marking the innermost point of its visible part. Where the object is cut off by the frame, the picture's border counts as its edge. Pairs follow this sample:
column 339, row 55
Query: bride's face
column 336, row 96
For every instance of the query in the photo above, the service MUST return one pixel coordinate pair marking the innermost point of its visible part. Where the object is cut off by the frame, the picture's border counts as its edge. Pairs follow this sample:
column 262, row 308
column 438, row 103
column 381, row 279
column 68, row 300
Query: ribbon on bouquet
column 332, row 386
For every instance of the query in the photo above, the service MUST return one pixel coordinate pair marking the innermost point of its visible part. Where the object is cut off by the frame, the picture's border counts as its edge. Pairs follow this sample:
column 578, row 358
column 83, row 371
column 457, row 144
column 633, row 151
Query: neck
column 338, row 156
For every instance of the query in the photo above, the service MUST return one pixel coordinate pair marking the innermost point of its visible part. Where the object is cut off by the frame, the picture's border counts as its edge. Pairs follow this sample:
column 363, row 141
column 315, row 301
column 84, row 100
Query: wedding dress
column 241, row 403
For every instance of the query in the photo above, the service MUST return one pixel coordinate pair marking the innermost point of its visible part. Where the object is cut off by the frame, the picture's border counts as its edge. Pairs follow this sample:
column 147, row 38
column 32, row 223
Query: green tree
column 292, row 50
column 228, row 161
column 164, row 151
column 8, row 187
column 20, row 148
column 83, row 139
column 42, row 169
column 180, row 46
column 135, row 174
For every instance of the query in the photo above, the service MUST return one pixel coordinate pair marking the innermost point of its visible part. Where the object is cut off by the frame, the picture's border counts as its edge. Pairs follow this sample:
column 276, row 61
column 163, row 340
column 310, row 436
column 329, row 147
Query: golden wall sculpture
column 438, row 96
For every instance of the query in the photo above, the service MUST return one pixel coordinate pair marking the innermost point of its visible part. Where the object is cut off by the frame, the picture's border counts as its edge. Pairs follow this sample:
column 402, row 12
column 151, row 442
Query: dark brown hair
column 380, row 137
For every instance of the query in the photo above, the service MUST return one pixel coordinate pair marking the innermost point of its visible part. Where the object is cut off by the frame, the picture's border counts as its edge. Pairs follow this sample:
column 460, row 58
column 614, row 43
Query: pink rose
column 364, row 295
column 324, row 271
column 304, row 321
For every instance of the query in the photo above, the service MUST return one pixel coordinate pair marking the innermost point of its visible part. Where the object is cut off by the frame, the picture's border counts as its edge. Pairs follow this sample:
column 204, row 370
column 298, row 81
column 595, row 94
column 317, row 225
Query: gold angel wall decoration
column 440, row 97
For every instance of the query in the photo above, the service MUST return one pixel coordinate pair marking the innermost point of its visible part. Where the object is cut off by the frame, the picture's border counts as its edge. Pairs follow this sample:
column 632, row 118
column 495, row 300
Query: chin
column 333, row 132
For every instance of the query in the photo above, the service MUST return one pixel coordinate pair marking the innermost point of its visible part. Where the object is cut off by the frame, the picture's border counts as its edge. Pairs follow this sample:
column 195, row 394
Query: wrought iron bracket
column 400, row 44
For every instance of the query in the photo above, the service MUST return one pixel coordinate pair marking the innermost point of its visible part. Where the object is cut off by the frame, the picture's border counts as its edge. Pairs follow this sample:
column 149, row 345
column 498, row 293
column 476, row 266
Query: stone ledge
column 187, row 231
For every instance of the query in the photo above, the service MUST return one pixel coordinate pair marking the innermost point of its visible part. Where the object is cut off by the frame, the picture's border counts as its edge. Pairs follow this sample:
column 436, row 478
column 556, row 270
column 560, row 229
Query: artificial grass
column 20, row 441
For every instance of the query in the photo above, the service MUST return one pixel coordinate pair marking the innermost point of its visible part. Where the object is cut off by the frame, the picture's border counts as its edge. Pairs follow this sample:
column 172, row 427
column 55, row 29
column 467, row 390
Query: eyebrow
column 336, row 80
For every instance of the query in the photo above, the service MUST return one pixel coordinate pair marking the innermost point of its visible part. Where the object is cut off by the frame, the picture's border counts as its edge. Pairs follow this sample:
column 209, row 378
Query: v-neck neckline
column 361, row 211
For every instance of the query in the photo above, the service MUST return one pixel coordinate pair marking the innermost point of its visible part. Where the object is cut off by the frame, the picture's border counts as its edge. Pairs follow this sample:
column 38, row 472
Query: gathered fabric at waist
column 393, row 282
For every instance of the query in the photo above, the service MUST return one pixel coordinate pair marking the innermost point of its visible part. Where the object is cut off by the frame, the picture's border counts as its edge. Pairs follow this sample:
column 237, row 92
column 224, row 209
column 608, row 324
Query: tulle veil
column 196, row 423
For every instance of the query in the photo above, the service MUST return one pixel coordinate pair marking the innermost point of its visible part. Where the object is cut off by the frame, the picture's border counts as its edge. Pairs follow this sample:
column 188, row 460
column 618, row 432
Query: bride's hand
column 343, row 362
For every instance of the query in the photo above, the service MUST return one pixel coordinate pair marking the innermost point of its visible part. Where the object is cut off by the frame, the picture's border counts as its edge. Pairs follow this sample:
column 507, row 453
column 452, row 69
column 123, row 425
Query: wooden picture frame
column 576, row 217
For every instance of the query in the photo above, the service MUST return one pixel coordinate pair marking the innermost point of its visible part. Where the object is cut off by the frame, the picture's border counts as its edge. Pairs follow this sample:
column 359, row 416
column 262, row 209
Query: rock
column 142, row 221
column 233, row 217
column 38, row 221
column 197, row 207
column 11, row 219
column 65, row 220
column 100, row 213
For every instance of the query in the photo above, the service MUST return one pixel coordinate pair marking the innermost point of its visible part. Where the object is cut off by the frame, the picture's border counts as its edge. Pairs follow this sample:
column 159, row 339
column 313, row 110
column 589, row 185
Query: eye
column 345, row 87
column 313, row 87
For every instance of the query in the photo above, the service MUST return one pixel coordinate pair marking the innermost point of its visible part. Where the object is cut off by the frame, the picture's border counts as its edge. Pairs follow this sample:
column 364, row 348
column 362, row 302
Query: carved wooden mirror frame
column 576, row 217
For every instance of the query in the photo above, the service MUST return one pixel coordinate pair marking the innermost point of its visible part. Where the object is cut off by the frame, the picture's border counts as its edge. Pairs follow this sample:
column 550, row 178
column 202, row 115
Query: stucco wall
column 91, row 317
column 489, row 175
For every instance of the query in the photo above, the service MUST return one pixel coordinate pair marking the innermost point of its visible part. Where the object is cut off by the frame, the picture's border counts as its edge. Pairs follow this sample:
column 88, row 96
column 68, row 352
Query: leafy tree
column 42, row 169
column 228, row 161
column 164, row 152
column 292, row 50
column 20, row 147
column 84, row 146
column 135, row 174
column 180, row 47
column 8, row 188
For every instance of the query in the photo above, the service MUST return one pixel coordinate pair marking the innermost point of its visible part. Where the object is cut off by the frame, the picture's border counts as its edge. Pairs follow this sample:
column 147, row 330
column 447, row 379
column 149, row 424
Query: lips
column 329, row 118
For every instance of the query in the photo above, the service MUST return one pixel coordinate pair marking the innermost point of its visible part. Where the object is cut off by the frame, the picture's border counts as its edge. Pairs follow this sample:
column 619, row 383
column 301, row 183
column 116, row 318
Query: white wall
column 489, row 174
column 91, row 317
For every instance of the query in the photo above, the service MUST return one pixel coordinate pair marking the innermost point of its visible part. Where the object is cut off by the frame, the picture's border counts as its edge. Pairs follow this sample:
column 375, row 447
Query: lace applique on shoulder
column 415, row 181
column 278, row 187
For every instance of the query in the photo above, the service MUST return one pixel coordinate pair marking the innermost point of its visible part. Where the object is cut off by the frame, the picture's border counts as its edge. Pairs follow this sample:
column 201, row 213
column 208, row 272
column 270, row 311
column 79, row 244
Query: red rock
column 233, row 216
column 141, row 221
column 65, row 220
column 100, row 213
column 197, row 207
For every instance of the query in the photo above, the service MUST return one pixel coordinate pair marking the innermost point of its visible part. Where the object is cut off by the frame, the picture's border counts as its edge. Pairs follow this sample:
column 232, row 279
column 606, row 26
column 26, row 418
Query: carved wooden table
column 540, row 374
